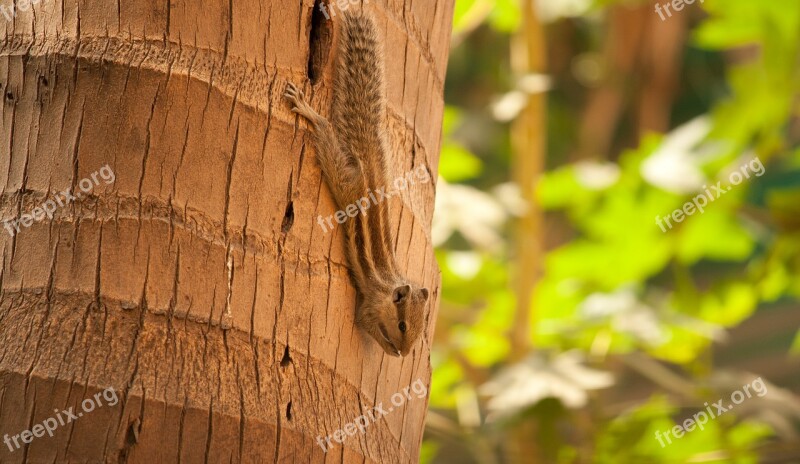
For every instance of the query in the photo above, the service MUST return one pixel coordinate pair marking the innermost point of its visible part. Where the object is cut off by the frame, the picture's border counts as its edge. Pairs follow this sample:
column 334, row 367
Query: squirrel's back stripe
column 359, row 114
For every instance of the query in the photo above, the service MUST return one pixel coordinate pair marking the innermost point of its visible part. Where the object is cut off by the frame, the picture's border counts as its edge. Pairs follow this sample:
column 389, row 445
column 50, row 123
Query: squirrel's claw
column 296, row 97
column 293, row 93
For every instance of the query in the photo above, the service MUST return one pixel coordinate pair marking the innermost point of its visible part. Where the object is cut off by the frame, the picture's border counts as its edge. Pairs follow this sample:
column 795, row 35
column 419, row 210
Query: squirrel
column 352, row 154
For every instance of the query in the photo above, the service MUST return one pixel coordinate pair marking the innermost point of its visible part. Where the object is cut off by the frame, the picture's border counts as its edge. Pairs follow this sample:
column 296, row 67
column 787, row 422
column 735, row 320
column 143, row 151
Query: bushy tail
column 358, row 104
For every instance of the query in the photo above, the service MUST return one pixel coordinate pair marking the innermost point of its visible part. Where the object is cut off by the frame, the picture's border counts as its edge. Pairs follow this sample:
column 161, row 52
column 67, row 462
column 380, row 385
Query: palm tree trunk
column 197, row 287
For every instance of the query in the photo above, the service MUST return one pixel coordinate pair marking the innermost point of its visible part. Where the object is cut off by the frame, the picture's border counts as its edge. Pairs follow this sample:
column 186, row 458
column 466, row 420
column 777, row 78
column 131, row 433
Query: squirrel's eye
column 402, row 326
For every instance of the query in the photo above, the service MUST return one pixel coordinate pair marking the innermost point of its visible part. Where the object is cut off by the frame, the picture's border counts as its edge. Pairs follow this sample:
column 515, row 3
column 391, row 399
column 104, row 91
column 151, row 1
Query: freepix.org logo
column 10, row 10
column 60, row 419
column 329, row 10
column 60, row 200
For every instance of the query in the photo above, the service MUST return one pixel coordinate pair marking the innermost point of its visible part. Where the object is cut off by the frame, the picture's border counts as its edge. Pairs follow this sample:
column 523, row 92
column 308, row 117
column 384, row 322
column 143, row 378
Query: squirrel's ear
column 400, row 293
column 424, row 292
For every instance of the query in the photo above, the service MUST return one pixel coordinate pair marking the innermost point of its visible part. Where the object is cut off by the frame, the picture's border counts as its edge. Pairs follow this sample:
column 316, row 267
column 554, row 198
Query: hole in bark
column 288, row 218
column 289, row 411
column 9, row 96
column 132, row 436
column 320, row 39
column 286, row 358
column 44, row 81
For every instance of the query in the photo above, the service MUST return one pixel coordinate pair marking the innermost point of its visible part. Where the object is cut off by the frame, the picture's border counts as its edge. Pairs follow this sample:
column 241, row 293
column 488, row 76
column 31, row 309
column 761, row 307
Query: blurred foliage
column 615, row 286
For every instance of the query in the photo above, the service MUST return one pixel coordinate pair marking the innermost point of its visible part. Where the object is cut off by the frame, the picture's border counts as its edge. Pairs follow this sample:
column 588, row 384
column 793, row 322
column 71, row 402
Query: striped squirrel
column 352, row 153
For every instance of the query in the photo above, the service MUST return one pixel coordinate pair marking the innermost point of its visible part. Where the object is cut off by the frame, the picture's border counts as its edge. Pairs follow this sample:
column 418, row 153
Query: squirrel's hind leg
column 342, row 173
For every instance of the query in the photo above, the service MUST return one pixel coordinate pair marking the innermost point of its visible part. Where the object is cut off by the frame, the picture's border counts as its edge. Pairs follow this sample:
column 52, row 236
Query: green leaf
column 461, row 14
column 446, row 376
column 715, row 235
column 428, row 452
column 729, row 304
column 506, row 16
column 458, row 164
column 560, row 188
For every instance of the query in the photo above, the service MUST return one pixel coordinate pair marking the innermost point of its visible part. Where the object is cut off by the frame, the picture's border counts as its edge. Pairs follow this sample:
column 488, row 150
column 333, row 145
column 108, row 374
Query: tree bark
column 199, row 285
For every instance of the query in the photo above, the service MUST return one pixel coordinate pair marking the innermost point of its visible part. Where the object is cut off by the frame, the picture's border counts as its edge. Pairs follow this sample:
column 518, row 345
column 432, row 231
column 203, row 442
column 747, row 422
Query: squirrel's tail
column 359, row 73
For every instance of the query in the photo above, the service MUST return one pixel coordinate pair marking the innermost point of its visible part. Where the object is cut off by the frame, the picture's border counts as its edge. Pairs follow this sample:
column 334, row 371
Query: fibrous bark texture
column 198, row 284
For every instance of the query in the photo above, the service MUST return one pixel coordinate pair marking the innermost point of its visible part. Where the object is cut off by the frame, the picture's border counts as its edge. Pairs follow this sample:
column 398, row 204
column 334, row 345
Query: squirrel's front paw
column 299, row 105
column 293, row 94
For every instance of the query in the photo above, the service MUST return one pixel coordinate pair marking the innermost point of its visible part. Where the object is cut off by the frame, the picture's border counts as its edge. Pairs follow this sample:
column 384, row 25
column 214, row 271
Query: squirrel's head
column 395, row 319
